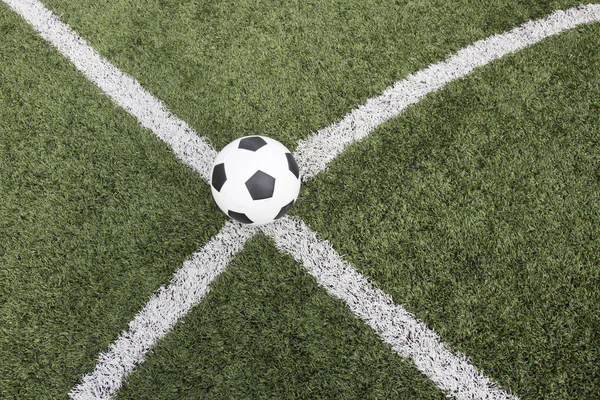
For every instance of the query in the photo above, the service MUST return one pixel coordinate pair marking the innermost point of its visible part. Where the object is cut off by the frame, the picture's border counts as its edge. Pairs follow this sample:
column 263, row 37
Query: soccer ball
column 255, row 180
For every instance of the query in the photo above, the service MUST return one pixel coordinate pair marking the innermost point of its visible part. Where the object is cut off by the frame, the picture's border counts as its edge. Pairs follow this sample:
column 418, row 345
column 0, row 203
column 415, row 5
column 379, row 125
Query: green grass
column 267, row 330
column 477, row 209
column 282, row 69
column 95, row 214
column 480, row 210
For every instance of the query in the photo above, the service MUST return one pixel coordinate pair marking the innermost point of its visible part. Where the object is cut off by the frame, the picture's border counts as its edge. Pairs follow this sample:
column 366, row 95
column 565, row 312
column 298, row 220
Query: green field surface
column 281, row 69
column 267, row 330
column 95, row 215
column 478, row 209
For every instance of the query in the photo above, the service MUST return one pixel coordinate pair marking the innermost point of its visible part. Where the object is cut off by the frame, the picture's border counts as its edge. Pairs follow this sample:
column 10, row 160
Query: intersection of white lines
column 406, row 334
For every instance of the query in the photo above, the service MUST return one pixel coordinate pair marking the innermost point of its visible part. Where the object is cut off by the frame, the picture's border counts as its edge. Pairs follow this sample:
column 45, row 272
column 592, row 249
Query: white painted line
column 317, row 151
column 188, row 287
column 121, row 88
column 407, row 335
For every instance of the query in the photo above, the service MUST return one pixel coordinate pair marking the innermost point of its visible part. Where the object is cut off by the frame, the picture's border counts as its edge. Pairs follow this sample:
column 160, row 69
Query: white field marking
column 317, row 151
column 408, row 336
column 188, row 287
column 121, row 88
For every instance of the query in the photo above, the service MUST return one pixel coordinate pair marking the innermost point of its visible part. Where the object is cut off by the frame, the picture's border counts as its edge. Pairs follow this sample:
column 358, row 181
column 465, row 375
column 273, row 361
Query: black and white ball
column 255, row 180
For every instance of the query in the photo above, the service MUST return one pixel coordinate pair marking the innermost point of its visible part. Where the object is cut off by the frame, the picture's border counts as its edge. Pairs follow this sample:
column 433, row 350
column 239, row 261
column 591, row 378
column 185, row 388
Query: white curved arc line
column 314, row 153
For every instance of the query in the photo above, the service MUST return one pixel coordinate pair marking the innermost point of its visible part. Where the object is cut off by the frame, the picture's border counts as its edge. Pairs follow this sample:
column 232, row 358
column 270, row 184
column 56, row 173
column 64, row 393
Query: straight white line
column 317, row 151
column 121, row 88
column 188, row 287
column 408, row 336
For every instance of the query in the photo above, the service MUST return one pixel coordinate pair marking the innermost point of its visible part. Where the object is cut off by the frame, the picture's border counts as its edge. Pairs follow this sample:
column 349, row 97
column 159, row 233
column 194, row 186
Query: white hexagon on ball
column 255, row 180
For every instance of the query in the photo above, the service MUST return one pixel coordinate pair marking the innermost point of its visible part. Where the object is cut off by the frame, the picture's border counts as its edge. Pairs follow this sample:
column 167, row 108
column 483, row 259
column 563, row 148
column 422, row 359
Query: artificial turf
column 267, row 330
column 479, row 209
column 95, row 214
column 282, row 69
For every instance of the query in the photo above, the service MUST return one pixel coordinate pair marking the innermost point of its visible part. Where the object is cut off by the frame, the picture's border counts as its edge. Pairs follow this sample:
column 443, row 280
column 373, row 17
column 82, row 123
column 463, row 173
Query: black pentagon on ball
column 261, row 186
column 285, row 209
column 252, row 143
column 292, row 164
column 240, row 217
column 218, row 177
